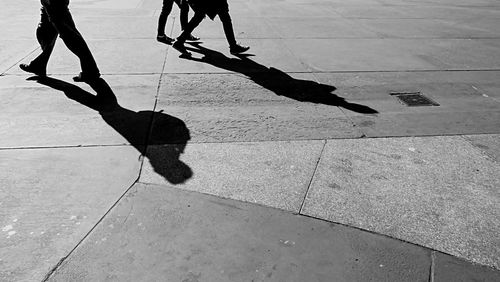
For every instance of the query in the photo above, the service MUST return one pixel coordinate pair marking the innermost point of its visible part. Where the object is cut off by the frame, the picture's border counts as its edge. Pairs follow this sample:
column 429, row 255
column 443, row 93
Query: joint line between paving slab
column 312, row 176
column 432, row 266
column 17, row 62
column 61, row 261
column 150, row 125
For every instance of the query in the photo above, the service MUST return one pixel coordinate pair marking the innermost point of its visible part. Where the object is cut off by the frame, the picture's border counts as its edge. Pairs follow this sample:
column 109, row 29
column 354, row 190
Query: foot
column 32, row 69
column 164, row 39
column 83, row 77
column 237, row 49
column 179, row 46
column 192, row 38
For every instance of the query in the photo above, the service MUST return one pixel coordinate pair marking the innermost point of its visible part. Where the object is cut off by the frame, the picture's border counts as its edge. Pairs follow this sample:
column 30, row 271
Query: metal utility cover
column 414, row 99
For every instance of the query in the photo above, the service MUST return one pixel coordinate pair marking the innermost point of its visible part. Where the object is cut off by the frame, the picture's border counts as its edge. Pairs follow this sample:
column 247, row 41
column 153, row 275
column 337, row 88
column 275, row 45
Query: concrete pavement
column 293, row 164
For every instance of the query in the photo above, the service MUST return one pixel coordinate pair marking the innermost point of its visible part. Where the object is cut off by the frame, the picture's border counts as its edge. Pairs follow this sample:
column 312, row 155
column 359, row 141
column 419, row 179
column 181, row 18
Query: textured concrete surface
column 317, row 70
column 440, row 192
column 160, row 233
column 274, row 105
column 51, row 198
column 274, row 174
column 448, row 268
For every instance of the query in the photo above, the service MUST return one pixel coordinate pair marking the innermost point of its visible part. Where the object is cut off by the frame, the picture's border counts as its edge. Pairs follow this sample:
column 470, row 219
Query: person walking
column 211, row 9
column 56, row 20
column 162, row 20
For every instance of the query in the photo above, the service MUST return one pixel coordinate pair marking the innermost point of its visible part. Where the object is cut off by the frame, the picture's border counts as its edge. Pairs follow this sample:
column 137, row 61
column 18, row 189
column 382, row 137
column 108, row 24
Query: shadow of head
column 160, row 137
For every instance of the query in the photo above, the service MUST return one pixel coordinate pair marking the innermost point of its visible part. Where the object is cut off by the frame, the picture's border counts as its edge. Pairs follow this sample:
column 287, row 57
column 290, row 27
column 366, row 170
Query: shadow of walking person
column 276, row 80
column 141, row 129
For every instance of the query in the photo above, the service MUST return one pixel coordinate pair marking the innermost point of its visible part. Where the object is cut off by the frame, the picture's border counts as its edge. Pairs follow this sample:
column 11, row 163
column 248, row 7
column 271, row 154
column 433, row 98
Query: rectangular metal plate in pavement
column 414, row 99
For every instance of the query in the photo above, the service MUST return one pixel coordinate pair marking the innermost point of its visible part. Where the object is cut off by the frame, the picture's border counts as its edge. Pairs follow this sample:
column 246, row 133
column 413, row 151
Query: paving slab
column 268, row 52
column 413, row 11
column 417, row 189
column 59, row 112
column 268, row 9
column 274, row 174
column 274, row 106
column 51, row 198
column 112, row 57
column 428, row 123
column 23, row 27
column 489, row 144
column 448, row 268
column 408, row 54
column 119, row 27
column 427, row 28
column 160, row 233
column 245, row 27
column 327, row 27
column 464, row 108
column 447, row 11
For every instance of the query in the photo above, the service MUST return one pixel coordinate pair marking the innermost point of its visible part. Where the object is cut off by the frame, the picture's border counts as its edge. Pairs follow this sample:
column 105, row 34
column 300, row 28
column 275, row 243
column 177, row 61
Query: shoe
column 164, row 39
column 237, row 49
column 31, row 69
column 179, row 46
column 192, row 38
column 81, row 77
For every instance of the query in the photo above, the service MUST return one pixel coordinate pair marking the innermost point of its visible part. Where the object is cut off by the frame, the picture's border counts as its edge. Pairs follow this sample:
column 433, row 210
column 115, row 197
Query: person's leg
column 192, row 24
column 46, row 35
column 184, row 15
column 227, row 25
column 62, row 20
column 184, row 12
column 162, row 21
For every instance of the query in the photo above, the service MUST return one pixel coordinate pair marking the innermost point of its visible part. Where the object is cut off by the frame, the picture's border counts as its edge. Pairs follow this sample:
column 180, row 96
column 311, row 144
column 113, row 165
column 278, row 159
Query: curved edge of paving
column 163, row 233
column 438, row 192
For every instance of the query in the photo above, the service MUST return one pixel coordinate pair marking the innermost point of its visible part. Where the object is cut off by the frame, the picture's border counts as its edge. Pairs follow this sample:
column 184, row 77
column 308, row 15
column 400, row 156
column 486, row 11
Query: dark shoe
column 237, row 49
column 192, row 38
column 164, row 39
column 86, row 77
column 34, row 70
column 179, row 46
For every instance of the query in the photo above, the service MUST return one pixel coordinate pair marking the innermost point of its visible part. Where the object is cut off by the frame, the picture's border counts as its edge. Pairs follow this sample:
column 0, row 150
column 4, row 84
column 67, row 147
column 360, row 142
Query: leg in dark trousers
column 162, row 20
column 192, row 24
column 46, row 34
column 57, row 20
column 227, row 25
column 184, row 8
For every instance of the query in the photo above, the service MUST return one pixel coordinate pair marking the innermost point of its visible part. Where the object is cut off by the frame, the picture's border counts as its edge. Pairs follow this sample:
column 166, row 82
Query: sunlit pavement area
column 299, row 162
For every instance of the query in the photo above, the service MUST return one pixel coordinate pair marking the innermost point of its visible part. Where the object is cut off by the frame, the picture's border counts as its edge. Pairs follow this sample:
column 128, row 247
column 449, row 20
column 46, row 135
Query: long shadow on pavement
column 276, row 80
column 163, row 129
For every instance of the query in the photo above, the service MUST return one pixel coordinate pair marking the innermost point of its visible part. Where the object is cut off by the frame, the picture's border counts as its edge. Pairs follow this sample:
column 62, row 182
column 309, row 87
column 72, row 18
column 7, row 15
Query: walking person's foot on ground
column 32, row 69
column 83, row 77
column 238, row 49
column 192, row 38
column 164, row 39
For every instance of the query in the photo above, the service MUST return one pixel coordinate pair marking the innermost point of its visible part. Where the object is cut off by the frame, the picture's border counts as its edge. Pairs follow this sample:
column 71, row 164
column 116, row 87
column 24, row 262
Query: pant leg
column 184, row 14
column 61, row 19
column 192, row 24
column 46, row 34
column 228, row 27
column 165, row 11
